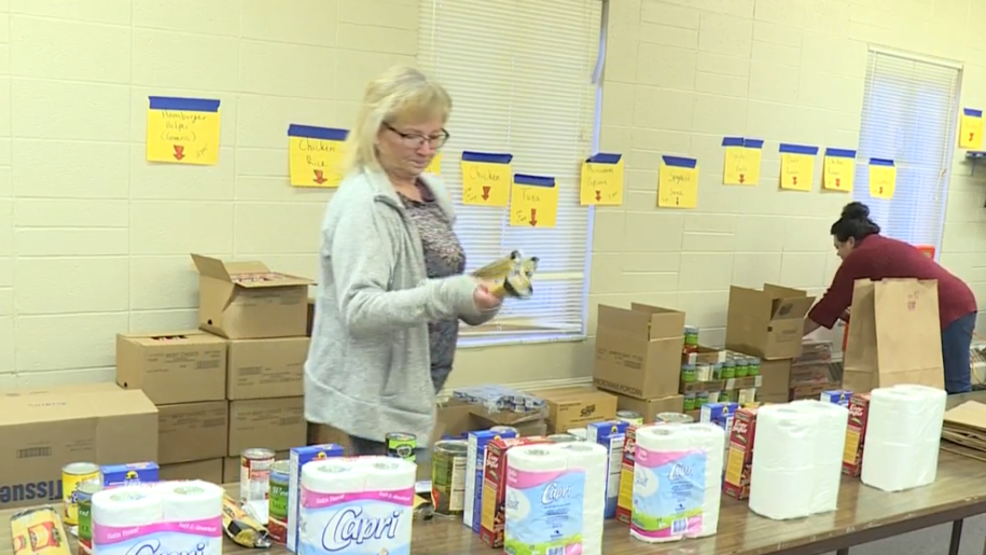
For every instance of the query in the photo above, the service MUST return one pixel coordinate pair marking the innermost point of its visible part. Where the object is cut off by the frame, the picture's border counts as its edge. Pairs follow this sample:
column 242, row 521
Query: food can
column 84, row 500
column 448, row 476
column 277, row 505
column 562, row 438
column 255, row 465
column 402, row 445
column 73, row 476
column 689, row 402
column 702, row 397
column 688, row 373
column 673, row 418
column 633, row 418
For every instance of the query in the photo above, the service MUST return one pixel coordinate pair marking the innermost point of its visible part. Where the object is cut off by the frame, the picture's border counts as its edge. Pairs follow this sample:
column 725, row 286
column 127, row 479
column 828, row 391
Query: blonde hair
column 400, row 93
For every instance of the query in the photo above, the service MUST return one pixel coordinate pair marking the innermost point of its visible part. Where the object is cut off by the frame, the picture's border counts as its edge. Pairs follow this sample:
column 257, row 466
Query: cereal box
column 837, row 396
column 852, row 457
column 624, row 501
column 739, row 459
column 612, row 436
column 718, row 412
column 495, row 487
column 114, row 475
column 478, row 441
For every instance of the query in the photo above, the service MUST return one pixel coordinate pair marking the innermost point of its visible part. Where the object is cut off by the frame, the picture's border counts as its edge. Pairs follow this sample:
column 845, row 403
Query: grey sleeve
column 479, row 317
column 362, row 253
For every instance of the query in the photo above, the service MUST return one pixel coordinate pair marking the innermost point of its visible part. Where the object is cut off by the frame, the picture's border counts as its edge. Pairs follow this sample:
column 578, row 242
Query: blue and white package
column 475, row 466
column 611, row 435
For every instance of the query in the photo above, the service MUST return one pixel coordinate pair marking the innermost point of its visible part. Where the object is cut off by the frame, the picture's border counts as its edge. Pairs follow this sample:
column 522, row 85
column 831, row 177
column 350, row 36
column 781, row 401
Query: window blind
column 520, row 77
column 910, row 109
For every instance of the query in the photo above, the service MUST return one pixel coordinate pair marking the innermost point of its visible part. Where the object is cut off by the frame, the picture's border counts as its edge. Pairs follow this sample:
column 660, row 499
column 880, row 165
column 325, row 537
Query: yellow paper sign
column 315, row 155
column 971, row 129
column 742, row 164
column 183, row 130
column 486, row 178
column 602, row 180
column 883, row 178
column 435, row 166
column 677, row 185
column 533, row 201
column 797, row 167
column 838, row 170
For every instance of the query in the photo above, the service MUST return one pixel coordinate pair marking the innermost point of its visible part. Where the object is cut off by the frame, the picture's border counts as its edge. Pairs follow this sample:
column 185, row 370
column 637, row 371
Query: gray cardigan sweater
column 368, row 367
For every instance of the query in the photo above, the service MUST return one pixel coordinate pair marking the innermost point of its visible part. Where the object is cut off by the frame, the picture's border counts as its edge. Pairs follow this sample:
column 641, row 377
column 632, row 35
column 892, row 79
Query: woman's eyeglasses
column 415, row 141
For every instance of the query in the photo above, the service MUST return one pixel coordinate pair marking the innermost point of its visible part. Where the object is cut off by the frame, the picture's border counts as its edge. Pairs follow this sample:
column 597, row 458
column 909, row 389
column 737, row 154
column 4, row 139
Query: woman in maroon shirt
column 867, row 254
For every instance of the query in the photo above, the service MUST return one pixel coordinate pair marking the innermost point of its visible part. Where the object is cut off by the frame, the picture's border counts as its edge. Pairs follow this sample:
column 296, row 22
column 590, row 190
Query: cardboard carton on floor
column 43, row 430
column 767, row 323
column 266, row 368
column 638, row 351
column 210, row 471
column 192, row 431
column 175, row 367
column 650, row 408
column 277, row 424
column 575, row 407
column 246, row 300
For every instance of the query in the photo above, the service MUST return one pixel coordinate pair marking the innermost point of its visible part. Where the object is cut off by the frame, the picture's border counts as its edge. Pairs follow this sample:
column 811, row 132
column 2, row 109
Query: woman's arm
column 838, row 298
column 479, row 318
column 362, row 253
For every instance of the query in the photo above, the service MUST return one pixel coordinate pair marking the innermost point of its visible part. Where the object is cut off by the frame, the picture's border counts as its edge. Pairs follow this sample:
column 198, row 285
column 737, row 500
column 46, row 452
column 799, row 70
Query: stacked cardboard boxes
column 638, row 357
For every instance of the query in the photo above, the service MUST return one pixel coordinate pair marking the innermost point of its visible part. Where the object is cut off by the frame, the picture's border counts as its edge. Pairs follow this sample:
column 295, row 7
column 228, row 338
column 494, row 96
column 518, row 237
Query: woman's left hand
column 483, row 298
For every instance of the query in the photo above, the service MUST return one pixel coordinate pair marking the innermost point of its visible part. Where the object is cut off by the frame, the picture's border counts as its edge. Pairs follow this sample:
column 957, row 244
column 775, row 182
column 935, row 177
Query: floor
column 930, row 541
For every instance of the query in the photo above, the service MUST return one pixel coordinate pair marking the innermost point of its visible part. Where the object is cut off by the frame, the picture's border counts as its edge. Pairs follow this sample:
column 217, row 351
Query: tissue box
column 624, row 501
column 299, row 457
column 115, row 475
column 495, row 487
column 612, row 436
column 837, row 396
column 852, row 458
column 740, row 457
column 475, row 464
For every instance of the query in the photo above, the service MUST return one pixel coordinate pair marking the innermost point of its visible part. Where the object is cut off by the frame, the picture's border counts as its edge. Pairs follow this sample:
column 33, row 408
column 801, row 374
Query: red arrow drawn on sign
column 794, row 180
column 838, row 182
column 742, row 178
column 599, row 196
column 486, row 193
column 971, row 136
column 881, row 190
column 319, row 177
column 179, row 152
column 534, row 217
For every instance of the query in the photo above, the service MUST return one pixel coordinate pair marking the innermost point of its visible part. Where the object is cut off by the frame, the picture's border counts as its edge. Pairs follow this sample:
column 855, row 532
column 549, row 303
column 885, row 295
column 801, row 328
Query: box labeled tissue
column 475, row 465
column 624, row 501
column 612, row 436
column 852, row 457
column 740, row 454
column 495, row 486
column 837, row 396
column 299, row 457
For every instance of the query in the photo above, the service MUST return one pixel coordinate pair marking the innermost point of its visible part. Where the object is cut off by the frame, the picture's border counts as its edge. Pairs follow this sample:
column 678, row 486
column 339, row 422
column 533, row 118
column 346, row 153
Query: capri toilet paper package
column 903, row 434
column 555, row 499
column 782, row 479
column 677, row 482
column 167, row 517
column 356, row 506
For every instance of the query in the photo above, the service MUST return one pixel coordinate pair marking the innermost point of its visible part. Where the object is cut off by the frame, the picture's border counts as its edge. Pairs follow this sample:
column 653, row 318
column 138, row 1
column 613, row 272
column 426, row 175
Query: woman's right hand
column 483, row 298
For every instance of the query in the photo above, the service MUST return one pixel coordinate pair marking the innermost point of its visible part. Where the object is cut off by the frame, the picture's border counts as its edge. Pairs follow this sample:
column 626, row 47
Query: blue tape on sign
column 183, row 104
column 881, row 162
column 732, row 141
column 680, row 161
column 603, row 158
column 840, row 153
column 972, row 112
column 534, row 180
column 486, row 157
column 753, row 143
column 798, row 149
column 312, row 132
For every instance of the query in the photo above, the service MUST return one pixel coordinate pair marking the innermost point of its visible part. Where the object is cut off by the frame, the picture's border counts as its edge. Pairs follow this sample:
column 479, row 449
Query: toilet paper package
column 611, row 435
column 475, row 465
column 677, row 482
column 904, row 425
column 830, row 442
column 782, row 478
column 357, row 506
column 555, row 498
column 167, row 517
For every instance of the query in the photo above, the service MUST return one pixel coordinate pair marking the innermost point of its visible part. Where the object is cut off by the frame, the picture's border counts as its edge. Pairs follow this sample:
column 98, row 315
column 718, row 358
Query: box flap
column 781, row 292
column 246, row 267
column 184, row 337
column 211, row 267
column 259, row 280
column 641, row 321
column 790, row 308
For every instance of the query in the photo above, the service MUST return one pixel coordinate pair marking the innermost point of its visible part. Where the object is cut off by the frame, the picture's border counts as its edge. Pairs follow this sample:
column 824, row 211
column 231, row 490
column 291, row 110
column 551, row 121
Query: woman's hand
column 483, row 298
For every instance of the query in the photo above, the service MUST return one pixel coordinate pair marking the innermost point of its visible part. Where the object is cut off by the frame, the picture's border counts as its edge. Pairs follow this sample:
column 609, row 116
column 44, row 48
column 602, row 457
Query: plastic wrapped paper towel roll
column 830, row 443
column 782, row 479
column 903, row 434
column 555, row 498
column 357, row 505
column 677, row 482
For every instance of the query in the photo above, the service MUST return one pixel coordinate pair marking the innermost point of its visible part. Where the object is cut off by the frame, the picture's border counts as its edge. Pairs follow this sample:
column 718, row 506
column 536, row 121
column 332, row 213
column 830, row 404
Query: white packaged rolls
column 903, row 434
column 168, row 517
column 830, row 444
column 555, row 498
column 361, row 505
column 782, row 478
column 677, row 481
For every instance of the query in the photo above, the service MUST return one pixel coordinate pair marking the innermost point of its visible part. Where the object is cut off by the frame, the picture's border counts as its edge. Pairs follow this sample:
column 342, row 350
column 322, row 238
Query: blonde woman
column 392, row 290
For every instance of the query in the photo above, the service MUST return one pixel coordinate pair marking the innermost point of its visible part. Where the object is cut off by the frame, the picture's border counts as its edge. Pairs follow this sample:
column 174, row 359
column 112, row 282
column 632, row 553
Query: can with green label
column 277, row 502
column 83, row 497
column 402, row 445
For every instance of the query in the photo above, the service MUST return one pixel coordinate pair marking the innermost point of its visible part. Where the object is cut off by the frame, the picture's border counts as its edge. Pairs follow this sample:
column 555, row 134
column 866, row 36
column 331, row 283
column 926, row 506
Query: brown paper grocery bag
column 894, row 335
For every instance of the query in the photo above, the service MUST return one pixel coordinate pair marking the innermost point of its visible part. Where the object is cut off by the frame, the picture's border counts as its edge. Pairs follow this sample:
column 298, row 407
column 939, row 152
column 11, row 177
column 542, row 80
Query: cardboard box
column 768, row 324
column 192, row 431
column 495, row 487
column 210, row 471
column 852, row 457
column 638, row 351
column 311, row 317
column 266, row 368
column 246, row 300
column 775, row 379
column 43, row 430
column 739, row 454
column 277, row 424
column 576, row 407
column 177, row 367
column 651, row 407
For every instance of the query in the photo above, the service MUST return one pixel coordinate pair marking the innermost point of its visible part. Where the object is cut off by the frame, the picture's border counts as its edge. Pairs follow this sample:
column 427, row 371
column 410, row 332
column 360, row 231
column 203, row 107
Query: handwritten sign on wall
column 677, row 185
column 533, row 201
column 486, row 178
column 183, row 130
column 315, row 155
column 602, row 180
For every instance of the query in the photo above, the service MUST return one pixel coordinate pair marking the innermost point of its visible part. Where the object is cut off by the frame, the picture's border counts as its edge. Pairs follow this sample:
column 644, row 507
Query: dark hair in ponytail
column 855, row 222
